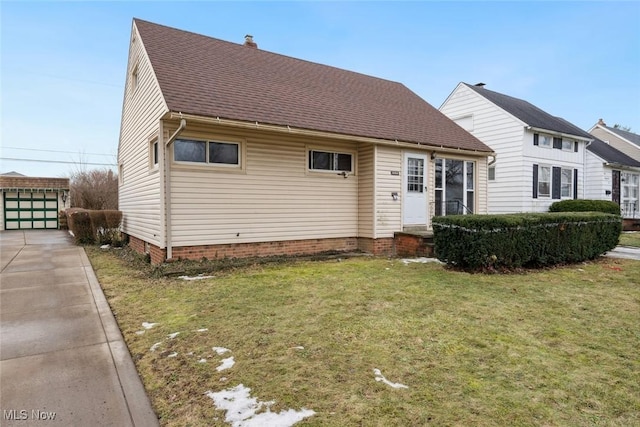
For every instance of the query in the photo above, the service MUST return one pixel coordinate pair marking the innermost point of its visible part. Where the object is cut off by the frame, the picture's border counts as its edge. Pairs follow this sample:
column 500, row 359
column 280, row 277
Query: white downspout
column 167, row 187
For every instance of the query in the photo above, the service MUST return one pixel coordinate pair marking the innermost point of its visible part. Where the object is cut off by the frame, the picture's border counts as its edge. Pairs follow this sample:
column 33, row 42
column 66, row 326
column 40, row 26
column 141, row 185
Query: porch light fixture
column 64, row 198
column 394, row 195
column 433, row 155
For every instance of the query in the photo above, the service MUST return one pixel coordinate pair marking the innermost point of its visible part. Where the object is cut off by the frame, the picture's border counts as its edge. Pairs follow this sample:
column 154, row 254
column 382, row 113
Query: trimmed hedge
column 606, row 206
column 524, row 240
column 79, row 223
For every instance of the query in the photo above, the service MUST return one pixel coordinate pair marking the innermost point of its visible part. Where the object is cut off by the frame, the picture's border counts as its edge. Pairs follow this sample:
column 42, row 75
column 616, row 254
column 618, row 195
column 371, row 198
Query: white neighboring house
column 613, row 175
column 539, row 159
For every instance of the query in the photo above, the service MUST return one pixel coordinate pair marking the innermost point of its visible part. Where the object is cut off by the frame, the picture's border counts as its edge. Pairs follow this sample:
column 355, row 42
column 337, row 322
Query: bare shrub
column 94, row 189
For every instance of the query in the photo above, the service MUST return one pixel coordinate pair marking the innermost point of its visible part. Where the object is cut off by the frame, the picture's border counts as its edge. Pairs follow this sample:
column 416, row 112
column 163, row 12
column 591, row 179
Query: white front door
column 415, row 189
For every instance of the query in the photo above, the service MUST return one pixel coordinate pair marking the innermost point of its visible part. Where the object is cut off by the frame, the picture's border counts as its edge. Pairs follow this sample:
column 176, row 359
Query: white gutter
column 322, row 134
column 167, row 187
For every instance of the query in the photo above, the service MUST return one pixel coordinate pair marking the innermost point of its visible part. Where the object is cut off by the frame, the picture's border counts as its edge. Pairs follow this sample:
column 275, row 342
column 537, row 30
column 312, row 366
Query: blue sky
column 63, row 64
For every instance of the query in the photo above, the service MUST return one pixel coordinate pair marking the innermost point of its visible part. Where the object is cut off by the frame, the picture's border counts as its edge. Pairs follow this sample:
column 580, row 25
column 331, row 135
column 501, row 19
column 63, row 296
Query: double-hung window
column 555, row 182
column 207, row 152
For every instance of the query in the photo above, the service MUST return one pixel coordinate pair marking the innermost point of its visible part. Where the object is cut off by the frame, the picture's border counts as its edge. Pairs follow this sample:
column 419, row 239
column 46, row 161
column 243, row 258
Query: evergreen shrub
column 524, row 240
column 606, row 206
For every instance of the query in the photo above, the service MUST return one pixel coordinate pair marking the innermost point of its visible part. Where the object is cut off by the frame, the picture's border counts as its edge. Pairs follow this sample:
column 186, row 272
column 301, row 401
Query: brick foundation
column 384, row 246
column 629, row 224
column 402, row 245
column 157, row 254
column 411, row 245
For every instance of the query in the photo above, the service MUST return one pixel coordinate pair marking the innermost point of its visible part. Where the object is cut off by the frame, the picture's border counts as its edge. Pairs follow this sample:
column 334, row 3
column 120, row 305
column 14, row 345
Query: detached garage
column 31, row 203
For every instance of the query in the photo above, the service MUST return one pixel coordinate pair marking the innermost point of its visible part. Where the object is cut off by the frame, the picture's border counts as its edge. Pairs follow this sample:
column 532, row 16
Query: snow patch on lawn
column 220, row 350
column 105, row 246
column 155, row 346
column 421, row 260
column 202, row 330
column 198, row 277
column 173, row 335
column 148, row 325
column 380, row 377
column 242, row 409
column 226, row 364
column 203, row 360
column 174, row 354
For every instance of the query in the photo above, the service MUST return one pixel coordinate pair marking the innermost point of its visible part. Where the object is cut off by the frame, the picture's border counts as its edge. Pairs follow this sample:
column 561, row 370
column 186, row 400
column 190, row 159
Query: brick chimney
column 248, row 41
column 601, row 122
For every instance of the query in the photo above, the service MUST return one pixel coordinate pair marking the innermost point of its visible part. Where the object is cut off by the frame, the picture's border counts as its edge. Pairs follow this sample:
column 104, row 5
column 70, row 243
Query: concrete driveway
column 63, row 360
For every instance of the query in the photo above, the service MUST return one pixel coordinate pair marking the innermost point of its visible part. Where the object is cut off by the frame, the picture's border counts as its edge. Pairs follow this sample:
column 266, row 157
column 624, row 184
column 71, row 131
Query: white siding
column 504, row 135
column 512, row 189
column 366, row 190
column 388, row 214
column 550, row 157
column 274, row 198
column 598, row 178
column 139, row 192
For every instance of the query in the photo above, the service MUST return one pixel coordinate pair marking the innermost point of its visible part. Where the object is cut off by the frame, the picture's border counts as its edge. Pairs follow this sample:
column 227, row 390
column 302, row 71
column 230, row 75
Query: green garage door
column 27, row 210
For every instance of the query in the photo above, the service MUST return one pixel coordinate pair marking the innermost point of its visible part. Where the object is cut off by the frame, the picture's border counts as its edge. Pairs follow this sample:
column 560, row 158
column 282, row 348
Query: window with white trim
column 567, row 144
column 630, row 200
column 566, row 183
column 330, row 161
column 544, row 181
column 206, row 152
column 491, row 173
column 555, row 182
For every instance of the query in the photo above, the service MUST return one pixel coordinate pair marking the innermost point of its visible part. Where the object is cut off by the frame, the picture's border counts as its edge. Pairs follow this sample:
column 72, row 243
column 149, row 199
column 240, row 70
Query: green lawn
column 630, row 239
column 550, row 347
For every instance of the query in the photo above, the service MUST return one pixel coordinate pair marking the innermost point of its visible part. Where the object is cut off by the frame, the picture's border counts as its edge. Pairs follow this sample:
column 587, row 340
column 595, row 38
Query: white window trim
column 572, row 145
column 562, row 170
column 540, row 195
column 309, row 171
column 225, row 167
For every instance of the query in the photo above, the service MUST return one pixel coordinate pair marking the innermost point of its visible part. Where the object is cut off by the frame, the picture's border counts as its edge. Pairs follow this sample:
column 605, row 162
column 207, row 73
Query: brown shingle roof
column 209, row 77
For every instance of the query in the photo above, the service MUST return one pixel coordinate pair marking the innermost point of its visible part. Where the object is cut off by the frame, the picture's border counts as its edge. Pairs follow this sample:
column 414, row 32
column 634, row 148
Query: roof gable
column 610, row 154
column 204, row 76
column 629, row 136
column 529, row 113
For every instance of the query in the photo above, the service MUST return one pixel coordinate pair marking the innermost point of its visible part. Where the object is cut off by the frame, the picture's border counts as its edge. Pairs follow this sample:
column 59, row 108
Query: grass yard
column 630, row 239
column 550, row 347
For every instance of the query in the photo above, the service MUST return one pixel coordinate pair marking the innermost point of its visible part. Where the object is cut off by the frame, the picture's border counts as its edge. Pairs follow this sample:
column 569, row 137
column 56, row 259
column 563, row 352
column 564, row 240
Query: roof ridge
column 263, row 51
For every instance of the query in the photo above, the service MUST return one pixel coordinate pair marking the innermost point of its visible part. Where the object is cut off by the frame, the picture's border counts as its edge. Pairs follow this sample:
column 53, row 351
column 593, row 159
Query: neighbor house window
column 211, row 152
column 491, row 172
column 542, row 140
column 544, row 181
column 567, row 144
column 556, row 142
column 554, row 182
column 566, row 183
column 330, row 161
column 630, row 183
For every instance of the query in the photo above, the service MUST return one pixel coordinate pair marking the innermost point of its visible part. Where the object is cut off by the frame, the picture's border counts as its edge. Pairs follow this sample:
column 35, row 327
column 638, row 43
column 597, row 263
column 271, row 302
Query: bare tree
column 621, row 127
column 94, row 189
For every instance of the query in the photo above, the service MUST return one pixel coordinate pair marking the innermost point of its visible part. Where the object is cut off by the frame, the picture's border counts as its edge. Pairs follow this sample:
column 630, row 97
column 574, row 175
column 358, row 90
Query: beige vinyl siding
column 139, row 192
column 388, row 213
column 273, row 198
column 615, row 141
column 366, row 190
